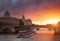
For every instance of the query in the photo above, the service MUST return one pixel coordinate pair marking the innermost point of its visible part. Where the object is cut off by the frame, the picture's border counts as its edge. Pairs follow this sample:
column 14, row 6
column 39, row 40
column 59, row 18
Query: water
column 37, row 37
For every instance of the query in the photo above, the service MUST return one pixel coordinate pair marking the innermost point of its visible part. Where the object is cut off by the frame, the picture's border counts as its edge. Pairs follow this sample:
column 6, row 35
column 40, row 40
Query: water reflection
column 38, row 37
column 56, row 38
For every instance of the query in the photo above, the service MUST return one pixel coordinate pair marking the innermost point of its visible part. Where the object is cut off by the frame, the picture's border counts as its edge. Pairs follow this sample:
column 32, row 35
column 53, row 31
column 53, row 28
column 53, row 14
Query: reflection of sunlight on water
column 44, row 30
column 38, row 37
column 45, row 35
column 42, row 35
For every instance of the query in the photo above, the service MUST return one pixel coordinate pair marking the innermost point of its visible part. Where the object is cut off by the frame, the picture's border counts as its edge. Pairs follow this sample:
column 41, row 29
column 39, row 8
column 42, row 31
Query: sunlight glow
column 55, row 21
column 52, row 21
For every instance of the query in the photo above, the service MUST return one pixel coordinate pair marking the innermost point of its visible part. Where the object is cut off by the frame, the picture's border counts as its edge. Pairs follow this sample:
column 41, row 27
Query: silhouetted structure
column 11, row 23
column 7, row 14
column 26, row 21
column 8, row 22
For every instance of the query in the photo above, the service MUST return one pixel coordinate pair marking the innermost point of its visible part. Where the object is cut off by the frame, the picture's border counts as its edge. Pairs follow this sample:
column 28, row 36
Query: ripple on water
column 38, row 37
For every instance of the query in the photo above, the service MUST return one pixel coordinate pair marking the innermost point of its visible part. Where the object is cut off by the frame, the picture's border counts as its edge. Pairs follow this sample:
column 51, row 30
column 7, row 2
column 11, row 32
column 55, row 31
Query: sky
column 39, row 11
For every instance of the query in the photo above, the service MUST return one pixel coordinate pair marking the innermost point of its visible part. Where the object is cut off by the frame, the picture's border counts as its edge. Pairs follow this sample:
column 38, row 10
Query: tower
column 7, row 14
column 23, row 17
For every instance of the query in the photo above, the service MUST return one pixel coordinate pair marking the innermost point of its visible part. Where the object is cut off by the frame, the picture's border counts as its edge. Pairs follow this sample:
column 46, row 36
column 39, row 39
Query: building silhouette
column 9, row 22
column 26, row 21
column 7, row 14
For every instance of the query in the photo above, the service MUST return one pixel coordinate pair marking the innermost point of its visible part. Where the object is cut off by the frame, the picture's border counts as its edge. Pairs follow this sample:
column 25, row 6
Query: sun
column 52, row 21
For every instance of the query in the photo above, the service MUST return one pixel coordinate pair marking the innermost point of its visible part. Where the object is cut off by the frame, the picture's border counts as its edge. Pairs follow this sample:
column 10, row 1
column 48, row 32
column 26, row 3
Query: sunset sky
column 39, row 11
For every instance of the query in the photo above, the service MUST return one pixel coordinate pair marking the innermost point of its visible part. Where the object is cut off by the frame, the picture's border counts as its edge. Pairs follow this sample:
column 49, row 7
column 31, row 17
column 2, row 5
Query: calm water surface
column 38, row 37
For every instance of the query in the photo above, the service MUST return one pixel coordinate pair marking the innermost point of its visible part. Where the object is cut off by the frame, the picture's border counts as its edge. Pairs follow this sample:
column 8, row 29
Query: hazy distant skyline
column 42, row 10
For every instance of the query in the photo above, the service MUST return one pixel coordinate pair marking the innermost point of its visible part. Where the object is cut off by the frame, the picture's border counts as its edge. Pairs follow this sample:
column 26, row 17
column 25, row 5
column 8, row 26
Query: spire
column 23, row 17
column 7, row 14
